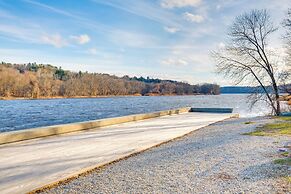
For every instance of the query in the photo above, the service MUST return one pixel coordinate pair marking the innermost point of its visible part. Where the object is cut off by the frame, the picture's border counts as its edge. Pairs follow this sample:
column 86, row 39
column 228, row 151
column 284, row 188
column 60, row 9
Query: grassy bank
column 282, row 126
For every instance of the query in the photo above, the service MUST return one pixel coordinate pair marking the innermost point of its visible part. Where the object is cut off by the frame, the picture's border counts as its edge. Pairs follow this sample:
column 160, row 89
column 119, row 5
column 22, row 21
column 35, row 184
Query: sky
column 167, row 39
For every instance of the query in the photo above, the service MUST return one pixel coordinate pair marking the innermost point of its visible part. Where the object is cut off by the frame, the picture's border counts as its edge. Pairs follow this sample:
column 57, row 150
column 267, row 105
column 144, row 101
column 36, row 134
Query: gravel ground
column 214, row 159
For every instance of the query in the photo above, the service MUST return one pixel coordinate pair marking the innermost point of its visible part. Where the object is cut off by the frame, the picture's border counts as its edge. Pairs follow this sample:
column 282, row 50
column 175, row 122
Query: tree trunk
column 278, row 107
column 276, row 92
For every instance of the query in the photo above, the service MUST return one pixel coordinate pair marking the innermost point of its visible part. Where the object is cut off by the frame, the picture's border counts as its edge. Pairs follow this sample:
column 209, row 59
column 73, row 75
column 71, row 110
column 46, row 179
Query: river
column 24, row 114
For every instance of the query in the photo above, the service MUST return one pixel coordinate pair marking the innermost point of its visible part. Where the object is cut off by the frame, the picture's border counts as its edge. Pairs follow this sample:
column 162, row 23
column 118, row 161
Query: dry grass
column 282, row 127
column 285, row 118
column 285, row 154
column 249, row 122
column 223, row 176
column 283, row 161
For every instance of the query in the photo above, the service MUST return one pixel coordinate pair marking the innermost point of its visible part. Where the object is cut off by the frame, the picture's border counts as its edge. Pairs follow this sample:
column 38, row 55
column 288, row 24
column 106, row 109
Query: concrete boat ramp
column 28, row 165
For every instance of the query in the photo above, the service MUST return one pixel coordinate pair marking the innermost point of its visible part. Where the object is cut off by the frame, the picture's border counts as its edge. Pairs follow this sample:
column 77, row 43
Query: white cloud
column 179, row 3
column 174, row 62
column 145, row 9
column 92, row 51
column 55, row 40
column 14, row 33
column 132, row 39
column 189, row 58
column 221, row 45
column 58, row 41
column 59, row 11
column 193, row 18
column 81, row 39
column 171, row 29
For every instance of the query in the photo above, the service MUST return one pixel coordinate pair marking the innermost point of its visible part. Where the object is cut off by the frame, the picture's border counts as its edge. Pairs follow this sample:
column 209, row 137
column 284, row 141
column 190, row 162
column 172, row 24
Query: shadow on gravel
column 276, row 173
column 265, row 171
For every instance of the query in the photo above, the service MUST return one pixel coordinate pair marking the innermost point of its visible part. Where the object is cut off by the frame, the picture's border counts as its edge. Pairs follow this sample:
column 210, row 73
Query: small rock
column 283, row 149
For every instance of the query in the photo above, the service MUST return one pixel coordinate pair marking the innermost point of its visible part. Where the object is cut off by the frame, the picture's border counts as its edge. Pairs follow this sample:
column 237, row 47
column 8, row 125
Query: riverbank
column 214, row 159
column 64, row 97
column 105, row 96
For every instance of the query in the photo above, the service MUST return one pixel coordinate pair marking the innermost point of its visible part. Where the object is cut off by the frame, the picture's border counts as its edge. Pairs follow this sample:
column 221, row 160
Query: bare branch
column 245, row 58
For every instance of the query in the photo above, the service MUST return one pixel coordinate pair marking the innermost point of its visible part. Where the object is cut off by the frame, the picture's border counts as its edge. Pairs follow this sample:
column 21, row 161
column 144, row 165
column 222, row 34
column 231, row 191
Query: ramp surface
column 27, row 165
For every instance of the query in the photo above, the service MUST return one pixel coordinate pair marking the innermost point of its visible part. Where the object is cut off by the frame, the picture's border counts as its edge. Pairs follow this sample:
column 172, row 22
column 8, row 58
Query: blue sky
column 169, row 39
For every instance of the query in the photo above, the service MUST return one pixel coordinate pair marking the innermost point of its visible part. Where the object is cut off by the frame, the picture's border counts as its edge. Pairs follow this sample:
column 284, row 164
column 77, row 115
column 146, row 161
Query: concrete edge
column 93, row 168
column 234, row 115
column 212, row 110
column 21, row 135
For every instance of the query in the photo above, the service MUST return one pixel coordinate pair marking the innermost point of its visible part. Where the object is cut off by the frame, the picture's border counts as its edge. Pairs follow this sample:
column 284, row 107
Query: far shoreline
column 81, row 97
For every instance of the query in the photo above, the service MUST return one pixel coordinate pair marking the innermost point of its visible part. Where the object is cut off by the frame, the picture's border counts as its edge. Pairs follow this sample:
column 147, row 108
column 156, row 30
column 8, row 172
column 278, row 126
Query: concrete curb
column 15, row 136
column 212, row 110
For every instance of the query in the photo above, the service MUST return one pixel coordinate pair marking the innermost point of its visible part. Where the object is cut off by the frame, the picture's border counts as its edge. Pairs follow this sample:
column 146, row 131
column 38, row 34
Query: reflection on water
column 24, row 114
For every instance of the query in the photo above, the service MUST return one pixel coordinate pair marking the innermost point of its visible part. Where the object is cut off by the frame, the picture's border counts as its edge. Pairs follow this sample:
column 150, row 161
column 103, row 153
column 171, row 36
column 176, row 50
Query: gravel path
column 214, row 159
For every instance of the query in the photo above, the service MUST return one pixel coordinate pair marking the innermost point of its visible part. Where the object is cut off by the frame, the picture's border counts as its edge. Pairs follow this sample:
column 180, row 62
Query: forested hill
column 38, row 80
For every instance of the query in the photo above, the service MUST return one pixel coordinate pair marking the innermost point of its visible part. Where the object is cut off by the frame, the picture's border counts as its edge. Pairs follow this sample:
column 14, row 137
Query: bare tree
column 286, row 76
column 247, row 58
column 287, row 25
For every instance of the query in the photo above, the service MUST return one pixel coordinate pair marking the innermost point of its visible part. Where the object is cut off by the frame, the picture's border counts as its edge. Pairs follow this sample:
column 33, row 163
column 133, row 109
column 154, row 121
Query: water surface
column 24, row 114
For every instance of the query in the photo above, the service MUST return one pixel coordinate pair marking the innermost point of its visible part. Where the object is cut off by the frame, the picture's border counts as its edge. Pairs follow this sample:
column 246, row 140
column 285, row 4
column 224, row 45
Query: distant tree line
column 38, row 80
